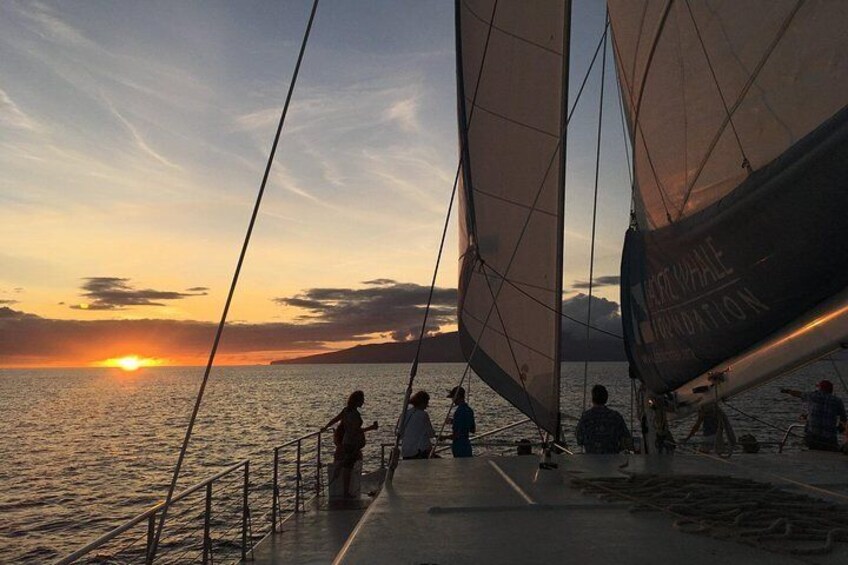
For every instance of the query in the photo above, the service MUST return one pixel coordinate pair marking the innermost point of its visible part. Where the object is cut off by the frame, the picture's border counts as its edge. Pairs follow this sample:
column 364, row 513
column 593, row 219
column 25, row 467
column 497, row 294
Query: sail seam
column 512, row 120
column 509, row 33
column 511, row 202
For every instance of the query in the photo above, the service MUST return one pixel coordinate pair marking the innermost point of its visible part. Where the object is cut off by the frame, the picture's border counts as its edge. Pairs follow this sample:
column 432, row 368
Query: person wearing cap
column 825, row 415
column 462, row 425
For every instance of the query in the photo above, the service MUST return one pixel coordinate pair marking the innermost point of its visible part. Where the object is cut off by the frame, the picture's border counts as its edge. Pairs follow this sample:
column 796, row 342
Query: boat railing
column 297, row 476
column 221, row 518
column 787, row 434
column 197, row 528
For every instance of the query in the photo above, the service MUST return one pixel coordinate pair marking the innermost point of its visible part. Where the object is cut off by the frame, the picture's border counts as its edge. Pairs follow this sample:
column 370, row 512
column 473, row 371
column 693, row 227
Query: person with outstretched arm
column 825, row 416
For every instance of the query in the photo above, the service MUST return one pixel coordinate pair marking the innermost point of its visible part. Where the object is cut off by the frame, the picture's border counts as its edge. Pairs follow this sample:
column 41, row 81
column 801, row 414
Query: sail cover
column 738, row 127
column 510, row 84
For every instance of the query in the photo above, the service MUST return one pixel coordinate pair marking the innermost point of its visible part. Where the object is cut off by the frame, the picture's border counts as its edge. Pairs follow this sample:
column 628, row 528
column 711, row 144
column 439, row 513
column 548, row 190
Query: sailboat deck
column 506, row 510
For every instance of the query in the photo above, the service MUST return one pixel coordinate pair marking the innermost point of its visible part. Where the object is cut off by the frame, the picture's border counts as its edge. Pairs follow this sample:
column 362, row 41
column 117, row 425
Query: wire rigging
column 233, row 284
column 594, row 216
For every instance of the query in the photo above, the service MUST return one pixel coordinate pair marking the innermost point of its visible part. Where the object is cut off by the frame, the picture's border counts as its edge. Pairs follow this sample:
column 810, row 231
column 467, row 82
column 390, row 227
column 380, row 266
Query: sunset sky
column 134, row 136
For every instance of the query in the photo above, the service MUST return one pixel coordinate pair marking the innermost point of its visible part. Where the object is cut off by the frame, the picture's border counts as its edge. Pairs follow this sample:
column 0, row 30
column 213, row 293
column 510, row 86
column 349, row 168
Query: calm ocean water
column 82, row 450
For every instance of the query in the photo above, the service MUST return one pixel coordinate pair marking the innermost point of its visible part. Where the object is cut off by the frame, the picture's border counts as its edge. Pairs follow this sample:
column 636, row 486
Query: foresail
column 510, row 114
column 738, row 120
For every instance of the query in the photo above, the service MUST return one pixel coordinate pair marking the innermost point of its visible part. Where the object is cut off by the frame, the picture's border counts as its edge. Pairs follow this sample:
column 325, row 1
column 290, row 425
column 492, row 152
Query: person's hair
column 355, row 398
column 599, row 394
column 419, row 399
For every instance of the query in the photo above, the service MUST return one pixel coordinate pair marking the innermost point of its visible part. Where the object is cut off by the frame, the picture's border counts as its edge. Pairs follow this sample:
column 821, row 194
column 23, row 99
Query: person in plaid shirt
column 825, row 416
column 601, row 430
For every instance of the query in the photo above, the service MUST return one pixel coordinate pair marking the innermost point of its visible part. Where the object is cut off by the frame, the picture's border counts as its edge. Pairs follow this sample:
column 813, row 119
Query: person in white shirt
column 418, row 430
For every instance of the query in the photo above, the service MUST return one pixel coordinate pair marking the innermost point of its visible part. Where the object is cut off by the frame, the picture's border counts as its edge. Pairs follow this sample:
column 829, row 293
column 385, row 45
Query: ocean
column 83, row 450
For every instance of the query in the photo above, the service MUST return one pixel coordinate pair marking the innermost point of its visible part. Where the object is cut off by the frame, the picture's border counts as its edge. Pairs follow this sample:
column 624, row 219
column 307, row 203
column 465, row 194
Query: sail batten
column 510, row 99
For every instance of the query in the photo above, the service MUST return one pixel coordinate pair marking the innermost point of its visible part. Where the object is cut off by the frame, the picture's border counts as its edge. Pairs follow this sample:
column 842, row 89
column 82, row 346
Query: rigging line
column 594, row 220
column 837, row 371
column 400, row 427
column 222, row 323
column 540, row 303
column 638, row 130
column 745, row 162
column 756, row 419
column 521, row 375
column 739, row 99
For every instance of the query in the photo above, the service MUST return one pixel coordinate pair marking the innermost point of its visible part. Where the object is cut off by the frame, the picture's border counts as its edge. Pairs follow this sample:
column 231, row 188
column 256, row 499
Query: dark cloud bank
column 331, row 315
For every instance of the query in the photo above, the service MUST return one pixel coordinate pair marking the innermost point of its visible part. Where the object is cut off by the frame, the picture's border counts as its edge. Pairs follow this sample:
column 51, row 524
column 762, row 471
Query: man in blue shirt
column 825, row 414
column 601, row 430
column 463, row 424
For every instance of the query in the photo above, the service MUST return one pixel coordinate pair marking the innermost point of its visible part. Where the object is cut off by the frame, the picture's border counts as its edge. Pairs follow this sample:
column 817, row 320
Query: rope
column 728, row 508
column 595, row 215
column 233, row 284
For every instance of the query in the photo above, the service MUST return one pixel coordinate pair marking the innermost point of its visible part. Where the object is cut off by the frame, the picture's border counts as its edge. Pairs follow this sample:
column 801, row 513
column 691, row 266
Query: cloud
column 198, row 289
column 405, row 114
column 334, row 318
column 384, row 306
column 113, row 293
column 605, row 315
column 607, row 280
column 12, row 116
column 8, row 302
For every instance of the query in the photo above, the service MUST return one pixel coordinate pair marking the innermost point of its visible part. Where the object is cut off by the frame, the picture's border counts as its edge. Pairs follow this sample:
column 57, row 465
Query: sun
column 130, row 363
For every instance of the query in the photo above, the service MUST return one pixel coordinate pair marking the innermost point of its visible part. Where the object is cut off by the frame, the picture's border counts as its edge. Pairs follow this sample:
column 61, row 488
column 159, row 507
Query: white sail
column 715, row 90
column 510, row 124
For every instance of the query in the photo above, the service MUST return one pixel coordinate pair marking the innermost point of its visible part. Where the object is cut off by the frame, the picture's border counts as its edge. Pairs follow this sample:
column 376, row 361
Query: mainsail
column 510, row 97
column 739, row 128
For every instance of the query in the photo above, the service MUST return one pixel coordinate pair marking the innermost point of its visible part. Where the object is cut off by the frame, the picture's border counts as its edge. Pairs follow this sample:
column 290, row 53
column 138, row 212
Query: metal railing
column 786, row 436
column 222, row 518
column 290, row 489
column 191, row 535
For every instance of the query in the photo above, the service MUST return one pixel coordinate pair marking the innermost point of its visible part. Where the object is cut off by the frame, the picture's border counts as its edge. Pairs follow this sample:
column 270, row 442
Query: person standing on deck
column 825, row 415
column 418, row 430
column 462, row 424
column 600, row 429
column 716, row 426
column 349, row 438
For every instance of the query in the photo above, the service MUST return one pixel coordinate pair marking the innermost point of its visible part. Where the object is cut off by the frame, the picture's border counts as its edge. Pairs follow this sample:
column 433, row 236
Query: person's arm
column 473, row 428
column 792, row 392
column 333, row 421
column 373, row 426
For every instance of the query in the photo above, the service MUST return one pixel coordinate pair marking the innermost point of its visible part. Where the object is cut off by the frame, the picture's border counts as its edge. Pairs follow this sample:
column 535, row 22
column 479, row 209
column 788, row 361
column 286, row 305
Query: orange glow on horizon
column 130, row 362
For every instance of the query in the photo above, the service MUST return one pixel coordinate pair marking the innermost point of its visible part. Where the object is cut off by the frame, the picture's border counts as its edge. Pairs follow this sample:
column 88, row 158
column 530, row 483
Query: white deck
column 504, row 510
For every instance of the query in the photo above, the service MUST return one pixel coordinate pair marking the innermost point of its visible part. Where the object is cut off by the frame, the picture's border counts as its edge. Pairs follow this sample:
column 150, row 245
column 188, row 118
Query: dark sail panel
column 510, row 110
column 700, row 291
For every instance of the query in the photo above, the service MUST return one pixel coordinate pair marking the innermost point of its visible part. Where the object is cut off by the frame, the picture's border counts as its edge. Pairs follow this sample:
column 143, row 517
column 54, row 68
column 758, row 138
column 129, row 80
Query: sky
column 134, row 137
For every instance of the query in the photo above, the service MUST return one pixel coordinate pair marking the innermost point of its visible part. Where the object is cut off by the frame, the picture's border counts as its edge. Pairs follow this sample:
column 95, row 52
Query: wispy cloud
column 405, row 114
column 12, row 116
column 138, row 139
column 606, row 280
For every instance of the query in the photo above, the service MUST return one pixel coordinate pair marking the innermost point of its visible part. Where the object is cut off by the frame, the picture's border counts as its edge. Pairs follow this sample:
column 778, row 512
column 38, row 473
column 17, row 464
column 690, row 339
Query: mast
column 566, row 59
